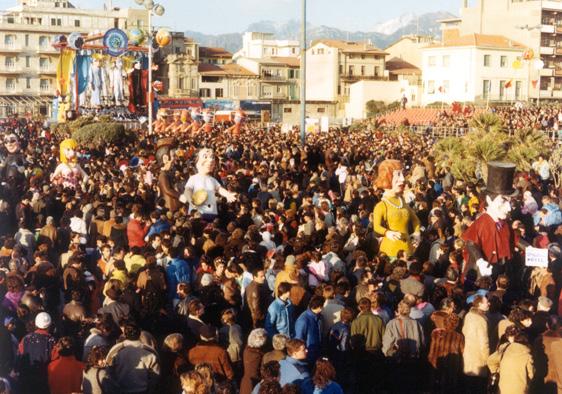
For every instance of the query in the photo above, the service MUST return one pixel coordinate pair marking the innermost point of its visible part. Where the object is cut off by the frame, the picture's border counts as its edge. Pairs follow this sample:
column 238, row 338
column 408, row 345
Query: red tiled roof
column 224, row 70
column 214, row 52
column 351, row 46
column 481, row 40
column 400, row 67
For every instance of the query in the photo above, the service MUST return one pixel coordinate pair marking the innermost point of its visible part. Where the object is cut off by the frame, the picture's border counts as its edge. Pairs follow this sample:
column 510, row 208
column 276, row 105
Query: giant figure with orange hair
column 393, row 219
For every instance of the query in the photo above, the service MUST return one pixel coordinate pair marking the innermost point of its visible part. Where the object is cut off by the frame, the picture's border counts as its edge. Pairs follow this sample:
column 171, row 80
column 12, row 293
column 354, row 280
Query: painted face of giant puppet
column 498, row 208
column 205, row 161
column 11, row 143
column 397, row 182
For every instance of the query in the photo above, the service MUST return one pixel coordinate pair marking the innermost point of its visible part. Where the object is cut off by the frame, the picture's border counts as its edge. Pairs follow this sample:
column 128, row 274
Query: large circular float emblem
column 116, row 42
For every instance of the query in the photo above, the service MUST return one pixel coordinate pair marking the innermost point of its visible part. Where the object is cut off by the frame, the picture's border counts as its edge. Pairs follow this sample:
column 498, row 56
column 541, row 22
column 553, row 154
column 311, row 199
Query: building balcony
column 551, row 5
column 547, row 28
column 546, row 72
column 10, row 48
column 48, row 49
column 547, row 50
column 558, row 72
column 274, row 96
column 355, row 78
column 48, row 70
column 273, row 78
column 11, row 69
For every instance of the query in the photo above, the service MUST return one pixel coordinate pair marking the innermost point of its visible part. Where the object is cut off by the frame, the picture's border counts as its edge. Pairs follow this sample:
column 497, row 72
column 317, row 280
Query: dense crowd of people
column 114, row 286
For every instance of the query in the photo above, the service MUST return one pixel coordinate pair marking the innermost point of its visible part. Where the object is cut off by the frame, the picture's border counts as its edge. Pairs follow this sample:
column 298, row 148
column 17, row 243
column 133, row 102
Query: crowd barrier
column 447, row 131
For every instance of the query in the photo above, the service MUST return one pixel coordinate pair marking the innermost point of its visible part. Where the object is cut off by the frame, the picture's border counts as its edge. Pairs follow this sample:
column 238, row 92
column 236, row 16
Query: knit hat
column 43, row 320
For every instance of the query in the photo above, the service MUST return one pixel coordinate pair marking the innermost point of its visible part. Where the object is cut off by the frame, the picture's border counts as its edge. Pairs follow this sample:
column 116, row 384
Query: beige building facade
column 409, row 48
column 27, row 58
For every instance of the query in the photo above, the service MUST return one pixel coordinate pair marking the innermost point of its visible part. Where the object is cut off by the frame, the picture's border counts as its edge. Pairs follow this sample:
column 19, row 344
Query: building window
column 377, row 71
column 43, row 63
column 219, row 92
column 341, row 69
column 502, row 90
column 430, row 87
column 11, row 19
column 10, row 84
column 487, row 60
column 44, row 85
column 192, row 83
column 293, row 51
column 503, row 61
column 431, row 61
column 205, row 92
column 321, row 110
column 517, row 90
column 320, row 51
column 446, row 61
column 486, row 86
column 43, row 41
column 287, row 110
column 76, row 22
column 362, row 70
column 9, row 40
column 28, row 83
column 350, row 70
column 28, row 61
column 27, row 40
column 10, row 62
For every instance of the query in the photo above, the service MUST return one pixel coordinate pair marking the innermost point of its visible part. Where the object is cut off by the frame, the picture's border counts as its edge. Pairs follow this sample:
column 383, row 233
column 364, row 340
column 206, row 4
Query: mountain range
column 383, row 34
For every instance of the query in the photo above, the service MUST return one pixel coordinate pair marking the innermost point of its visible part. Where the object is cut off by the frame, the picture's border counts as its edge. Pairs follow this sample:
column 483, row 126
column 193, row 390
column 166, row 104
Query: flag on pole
column 509, row 84
column 534, row 83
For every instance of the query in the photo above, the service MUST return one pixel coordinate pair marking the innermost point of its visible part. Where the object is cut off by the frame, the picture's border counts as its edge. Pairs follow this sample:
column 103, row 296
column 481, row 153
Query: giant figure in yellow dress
column 393, row 219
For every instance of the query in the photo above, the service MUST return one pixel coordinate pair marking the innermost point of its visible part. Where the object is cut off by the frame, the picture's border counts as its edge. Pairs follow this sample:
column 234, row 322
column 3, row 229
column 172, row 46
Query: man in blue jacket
column 279, row 318
column 177, row 271
column 293, row 368
column 309, row 328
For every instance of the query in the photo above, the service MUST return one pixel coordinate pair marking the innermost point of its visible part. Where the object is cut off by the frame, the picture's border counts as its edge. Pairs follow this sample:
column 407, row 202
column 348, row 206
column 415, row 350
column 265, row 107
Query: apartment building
column 227, row 81
column 256, row 45
column 211, row 55
column 334, row 65
column 537, row 24
column 28, row 60
column 409, row 48
column 474, row 68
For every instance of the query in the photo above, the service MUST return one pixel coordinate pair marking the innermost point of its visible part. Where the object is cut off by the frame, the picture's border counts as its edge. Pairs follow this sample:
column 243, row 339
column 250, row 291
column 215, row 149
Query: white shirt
column 341, row 172
column 211, row 185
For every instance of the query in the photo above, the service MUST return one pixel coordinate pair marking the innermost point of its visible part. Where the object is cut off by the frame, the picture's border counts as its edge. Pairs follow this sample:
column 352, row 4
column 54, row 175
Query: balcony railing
column 273, row 78
column 10, row 48
column 355, row 77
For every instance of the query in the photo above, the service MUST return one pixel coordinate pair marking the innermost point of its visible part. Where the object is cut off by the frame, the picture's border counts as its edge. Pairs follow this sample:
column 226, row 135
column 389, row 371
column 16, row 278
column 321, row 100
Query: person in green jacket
column 367, row 327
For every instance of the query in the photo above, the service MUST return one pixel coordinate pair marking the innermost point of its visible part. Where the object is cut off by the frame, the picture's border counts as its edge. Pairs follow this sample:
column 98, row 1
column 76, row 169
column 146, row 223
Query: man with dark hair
column 279, row 318
column 65, row 372
column 113, row 306
column 308, row 328
column 293, row 368
column 367, row 329
column 257, row 299
column 209, row 351
column 134, row 366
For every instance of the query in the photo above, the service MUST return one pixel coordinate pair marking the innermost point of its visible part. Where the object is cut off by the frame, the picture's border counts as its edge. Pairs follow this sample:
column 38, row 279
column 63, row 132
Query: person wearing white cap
column 35, row 355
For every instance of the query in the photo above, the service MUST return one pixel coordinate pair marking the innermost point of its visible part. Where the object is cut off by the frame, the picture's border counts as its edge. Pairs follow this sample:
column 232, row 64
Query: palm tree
column 487, row 122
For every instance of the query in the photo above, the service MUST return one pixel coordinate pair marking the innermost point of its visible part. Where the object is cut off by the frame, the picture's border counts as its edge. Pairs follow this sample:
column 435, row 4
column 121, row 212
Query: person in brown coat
column 547, row 354
column 258, row 298
column 252, row 357
column 210, row 352
column 445, row 355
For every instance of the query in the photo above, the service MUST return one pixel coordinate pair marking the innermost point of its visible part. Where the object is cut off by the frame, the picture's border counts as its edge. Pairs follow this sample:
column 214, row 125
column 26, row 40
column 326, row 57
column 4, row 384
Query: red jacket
column 136, row 233
column 65, row 375
column 494, row 243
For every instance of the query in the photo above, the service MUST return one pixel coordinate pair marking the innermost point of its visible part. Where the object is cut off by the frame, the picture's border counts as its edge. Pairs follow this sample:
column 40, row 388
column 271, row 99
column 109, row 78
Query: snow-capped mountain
column 393, row 25
column 384, row 34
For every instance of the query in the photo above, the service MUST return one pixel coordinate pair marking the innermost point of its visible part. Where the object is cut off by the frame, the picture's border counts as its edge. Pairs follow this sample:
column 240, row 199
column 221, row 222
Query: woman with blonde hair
column 193, row 383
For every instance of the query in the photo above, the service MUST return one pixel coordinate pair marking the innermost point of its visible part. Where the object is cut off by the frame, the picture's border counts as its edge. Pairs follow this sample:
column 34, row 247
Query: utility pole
column 303, row 72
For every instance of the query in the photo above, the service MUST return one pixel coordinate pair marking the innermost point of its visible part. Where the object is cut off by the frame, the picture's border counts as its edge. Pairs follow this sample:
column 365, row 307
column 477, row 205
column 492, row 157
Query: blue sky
column 227, row 16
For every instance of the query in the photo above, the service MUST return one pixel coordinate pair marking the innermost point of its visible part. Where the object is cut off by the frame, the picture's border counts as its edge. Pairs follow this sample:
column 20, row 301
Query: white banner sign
column 535, row 257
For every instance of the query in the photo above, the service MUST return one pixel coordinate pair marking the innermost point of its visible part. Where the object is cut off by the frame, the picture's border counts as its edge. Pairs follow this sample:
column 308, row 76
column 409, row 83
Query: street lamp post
column 158, row 10
column 303, row 72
